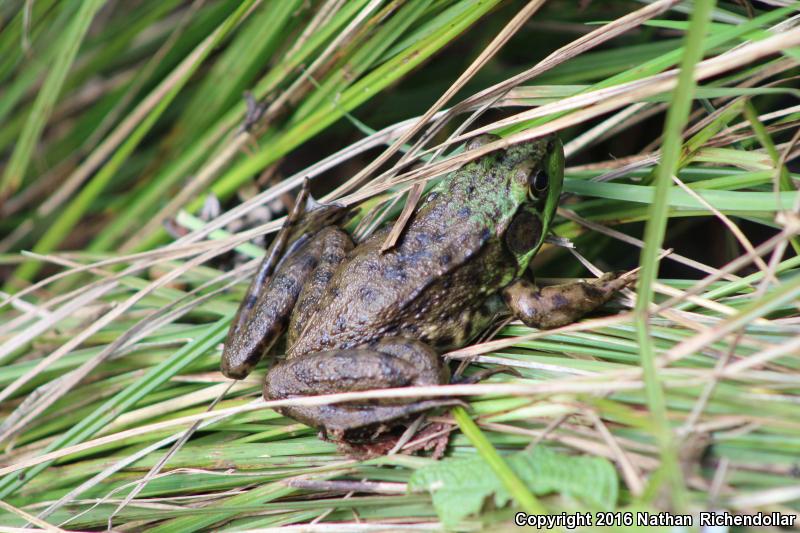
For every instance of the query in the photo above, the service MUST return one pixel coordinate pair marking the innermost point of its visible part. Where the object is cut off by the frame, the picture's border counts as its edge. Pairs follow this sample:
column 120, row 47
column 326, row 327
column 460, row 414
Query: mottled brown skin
column 301, row 271
column 557, row 305
column 364, row 319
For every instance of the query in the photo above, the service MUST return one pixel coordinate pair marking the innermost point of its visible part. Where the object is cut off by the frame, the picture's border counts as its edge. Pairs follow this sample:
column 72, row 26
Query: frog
column 359, row 317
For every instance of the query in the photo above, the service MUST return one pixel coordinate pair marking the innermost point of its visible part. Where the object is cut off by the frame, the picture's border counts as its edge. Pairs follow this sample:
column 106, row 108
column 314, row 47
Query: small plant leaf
column 459, row 487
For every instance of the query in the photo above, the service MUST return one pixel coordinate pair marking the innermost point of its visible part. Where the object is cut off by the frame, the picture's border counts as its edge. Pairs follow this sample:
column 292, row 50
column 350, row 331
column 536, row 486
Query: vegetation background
column 137, row 185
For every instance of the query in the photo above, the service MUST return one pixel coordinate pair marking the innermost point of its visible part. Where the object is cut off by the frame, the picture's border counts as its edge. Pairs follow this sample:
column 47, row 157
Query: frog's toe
column 616, row 280
column 434, row 438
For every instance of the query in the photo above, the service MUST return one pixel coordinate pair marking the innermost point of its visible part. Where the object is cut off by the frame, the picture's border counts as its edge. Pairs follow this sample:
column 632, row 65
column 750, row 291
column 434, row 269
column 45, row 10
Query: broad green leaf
column 459, row 487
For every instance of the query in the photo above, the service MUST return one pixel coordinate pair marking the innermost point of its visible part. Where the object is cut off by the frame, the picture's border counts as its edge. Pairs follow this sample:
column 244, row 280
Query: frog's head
column 510, row 194
column 534, row 175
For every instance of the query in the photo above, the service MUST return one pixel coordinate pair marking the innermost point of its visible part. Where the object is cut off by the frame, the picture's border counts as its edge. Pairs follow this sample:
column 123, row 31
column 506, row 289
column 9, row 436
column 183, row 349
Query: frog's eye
column 539, row 181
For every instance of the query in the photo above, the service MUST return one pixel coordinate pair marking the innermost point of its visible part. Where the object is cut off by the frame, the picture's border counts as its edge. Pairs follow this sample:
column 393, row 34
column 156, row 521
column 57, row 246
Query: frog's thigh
column 389, row 363
column 270, row 314
column 559, row 305
column 336, row 244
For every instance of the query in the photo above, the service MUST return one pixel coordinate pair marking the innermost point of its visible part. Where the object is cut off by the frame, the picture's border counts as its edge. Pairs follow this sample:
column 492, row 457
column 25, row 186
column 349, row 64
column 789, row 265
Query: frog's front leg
column 269, row 315
column 389, row 363
column 559, row 305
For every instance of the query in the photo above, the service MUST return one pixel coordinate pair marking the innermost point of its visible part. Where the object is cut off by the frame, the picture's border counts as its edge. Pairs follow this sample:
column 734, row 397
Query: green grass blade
column 81, row 203
column 124, row 400
column 677, row 116
column 46, row 99
column 510, row 480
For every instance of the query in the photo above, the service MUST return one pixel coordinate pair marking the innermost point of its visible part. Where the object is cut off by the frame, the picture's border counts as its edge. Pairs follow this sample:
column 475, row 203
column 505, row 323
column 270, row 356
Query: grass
column 118, row 121
column 677, row 116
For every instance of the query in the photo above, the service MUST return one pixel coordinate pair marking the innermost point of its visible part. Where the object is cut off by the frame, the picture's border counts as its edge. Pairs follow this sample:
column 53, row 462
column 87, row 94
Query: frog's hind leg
column 267, row 311
column 559, row 305
column 271, row 258
column 389, row 363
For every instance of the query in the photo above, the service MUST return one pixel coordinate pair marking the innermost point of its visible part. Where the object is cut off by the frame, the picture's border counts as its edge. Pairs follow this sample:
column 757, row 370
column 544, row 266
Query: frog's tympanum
column 359, row 318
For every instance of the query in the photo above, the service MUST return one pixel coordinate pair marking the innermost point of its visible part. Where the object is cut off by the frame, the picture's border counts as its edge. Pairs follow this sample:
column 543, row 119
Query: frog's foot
column 560, row 305
column 434, row 438
column 364, row 450
column 390, row 363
